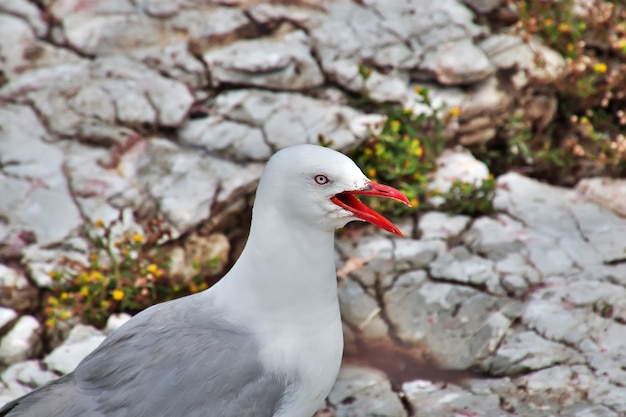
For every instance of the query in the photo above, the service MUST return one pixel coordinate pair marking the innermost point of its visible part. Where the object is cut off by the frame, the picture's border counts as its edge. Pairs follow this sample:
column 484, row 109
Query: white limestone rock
column 7, row 316
column 361, row 310
column 35, row 188
column 444, row 400
column 456, row 165
column 40, row 262
column 589, row 410
column 411, row 254
column 20, row 49
column 105, row 91
column 27, row 11
column 508, row 52
column 364, row 392
column 21, row 342
column 283, row 63
column 172, row 176
column 437, row 225
column 29, row 373
column 234, row 140
column 208, row 25
column 115, row 321
column 607, row 192
column 483, row 6
column 457, row 62
column 459, row 326
column 496, row 237
column 459, row 265
column 81, row 342
column 523, row 351
column 290, row 118
column 554, row 322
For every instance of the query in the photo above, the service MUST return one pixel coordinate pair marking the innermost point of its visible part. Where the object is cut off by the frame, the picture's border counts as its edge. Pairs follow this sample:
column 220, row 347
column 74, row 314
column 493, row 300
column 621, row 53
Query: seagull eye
column 321, row 179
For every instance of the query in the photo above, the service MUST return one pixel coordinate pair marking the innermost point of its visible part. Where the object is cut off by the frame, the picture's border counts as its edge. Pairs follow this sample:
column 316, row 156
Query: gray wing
column 174, row 359
column 40, row 402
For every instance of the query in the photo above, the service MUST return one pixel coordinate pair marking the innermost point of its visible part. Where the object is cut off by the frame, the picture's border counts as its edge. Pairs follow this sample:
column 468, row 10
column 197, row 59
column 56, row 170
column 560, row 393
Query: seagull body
column 265, row 341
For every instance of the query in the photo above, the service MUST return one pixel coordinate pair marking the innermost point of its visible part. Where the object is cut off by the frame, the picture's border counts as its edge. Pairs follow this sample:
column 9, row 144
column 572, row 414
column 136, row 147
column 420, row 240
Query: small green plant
column 522, row 148
column 125, row 275
column 400, row 155
column 405, row 153
column 587, row 137
column 469, row 199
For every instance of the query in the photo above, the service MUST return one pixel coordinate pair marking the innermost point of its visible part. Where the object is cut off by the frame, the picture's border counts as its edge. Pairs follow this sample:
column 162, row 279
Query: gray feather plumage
column 135, row 371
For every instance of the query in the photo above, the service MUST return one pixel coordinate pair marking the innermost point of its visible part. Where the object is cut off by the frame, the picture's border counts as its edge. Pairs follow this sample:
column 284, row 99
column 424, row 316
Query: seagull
column 265, row 341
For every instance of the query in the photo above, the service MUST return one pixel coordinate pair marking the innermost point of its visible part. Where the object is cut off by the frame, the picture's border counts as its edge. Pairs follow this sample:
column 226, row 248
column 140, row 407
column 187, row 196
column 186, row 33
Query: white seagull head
column 318, row 186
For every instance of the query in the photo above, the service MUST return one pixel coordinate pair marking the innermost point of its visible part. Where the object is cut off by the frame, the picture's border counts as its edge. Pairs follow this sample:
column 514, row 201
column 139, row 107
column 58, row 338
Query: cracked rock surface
column 520, row 313
column 127, row 109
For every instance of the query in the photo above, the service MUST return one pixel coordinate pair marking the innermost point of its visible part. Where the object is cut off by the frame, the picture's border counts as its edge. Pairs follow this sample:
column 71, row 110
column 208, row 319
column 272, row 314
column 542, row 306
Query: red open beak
column 348, row 201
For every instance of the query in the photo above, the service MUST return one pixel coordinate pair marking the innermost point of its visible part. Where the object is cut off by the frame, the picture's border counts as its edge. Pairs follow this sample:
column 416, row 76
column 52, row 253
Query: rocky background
column 128, row 109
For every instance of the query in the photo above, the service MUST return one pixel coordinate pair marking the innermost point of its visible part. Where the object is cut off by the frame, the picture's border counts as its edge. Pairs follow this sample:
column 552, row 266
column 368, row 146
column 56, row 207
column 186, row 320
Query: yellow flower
column 418, row 89
column 564, row 27
column 99, row 223
column 621, row 44
column 104, row 304
column 419, row 152
column 569, row 47
column 152, row 268
column 193, row 288
column 50, row 322
column 56, row 275
column 490, row 176
column 84, row 291
column 394, row 125
column 407, row 111
column 367, row 151
column 53, row 301
column 600, row 68
column 548, row 22
column 137, row 238
column 64, row 296
column 65, row 315
column 82, row 278
column 454, row 111
column 94, row 256
column 96, row 276
column 118, row 294
column 414, row 202
column 371, row 172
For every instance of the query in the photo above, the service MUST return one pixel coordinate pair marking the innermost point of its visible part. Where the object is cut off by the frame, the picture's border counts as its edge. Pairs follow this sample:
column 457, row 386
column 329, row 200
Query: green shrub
column 125, row 275
column 587, row 137
column 405, row 153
